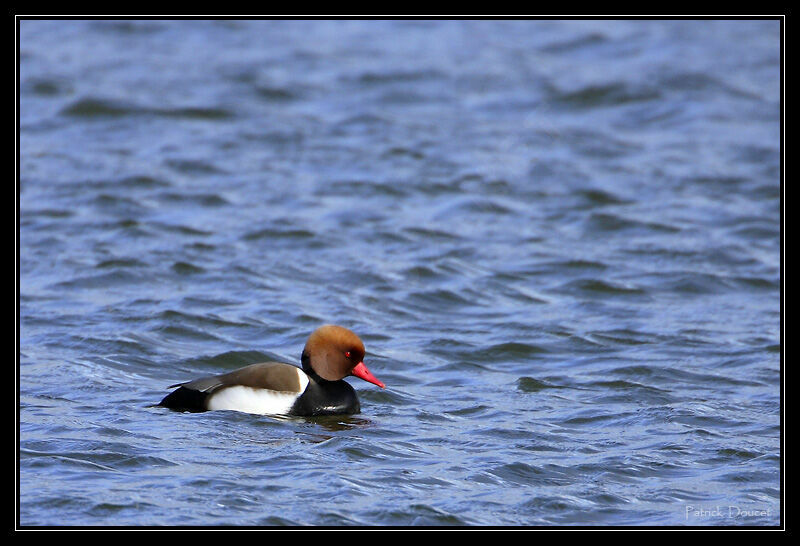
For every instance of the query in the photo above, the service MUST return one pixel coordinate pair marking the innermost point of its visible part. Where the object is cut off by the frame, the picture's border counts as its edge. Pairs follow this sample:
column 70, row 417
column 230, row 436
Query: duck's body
column 331, row 353
column 267, row 388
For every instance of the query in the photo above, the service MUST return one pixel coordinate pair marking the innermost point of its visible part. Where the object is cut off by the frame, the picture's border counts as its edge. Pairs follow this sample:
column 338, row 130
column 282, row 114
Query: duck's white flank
column 259, row 401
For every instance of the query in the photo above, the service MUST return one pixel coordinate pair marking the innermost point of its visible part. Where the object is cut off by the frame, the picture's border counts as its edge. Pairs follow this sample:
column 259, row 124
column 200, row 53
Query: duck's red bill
column 362, row 372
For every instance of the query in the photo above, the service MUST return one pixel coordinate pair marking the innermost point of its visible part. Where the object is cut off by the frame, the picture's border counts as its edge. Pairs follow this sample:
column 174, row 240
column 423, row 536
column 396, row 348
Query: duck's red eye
column 347, row 354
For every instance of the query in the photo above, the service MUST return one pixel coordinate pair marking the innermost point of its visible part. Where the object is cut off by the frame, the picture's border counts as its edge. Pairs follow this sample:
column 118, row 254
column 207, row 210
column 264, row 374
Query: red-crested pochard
column 331, row 354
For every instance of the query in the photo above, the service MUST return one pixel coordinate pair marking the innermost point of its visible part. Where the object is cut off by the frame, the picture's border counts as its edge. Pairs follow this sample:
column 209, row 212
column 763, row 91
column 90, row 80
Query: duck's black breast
column 323, row 397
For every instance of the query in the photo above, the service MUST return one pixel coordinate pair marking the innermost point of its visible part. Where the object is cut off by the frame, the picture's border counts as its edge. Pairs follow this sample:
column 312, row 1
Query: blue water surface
column 560, row 241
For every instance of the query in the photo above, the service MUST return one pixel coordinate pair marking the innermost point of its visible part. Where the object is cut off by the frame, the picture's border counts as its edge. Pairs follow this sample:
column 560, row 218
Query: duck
column 277, row 388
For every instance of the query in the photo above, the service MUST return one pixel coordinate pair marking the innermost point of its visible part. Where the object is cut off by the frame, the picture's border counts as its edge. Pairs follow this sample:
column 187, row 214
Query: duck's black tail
column 183, row 399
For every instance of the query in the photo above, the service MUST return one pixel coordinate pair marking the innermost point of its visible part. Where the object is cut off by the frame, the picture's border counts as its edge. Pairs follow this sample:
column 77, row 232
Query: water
column 559, row 241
